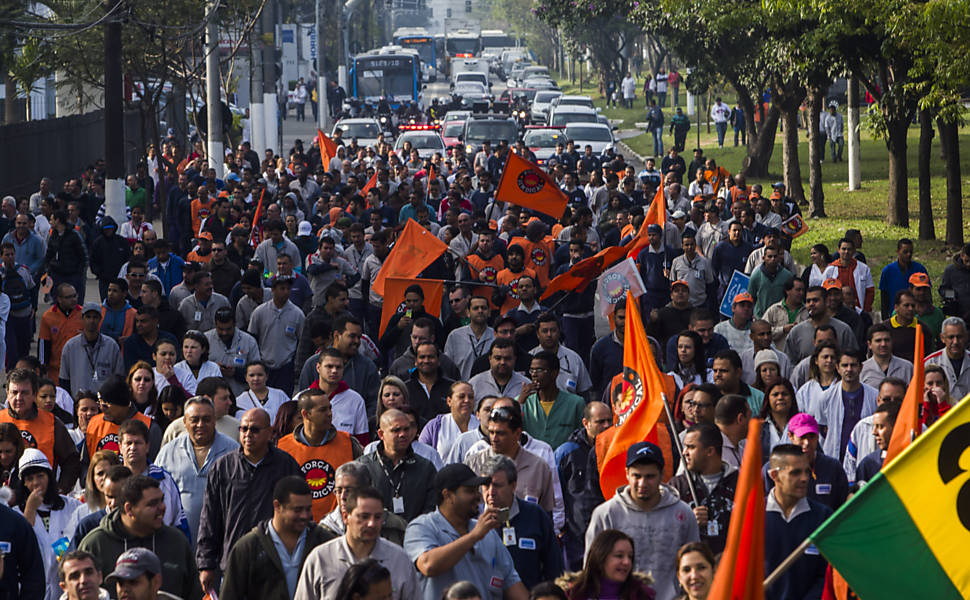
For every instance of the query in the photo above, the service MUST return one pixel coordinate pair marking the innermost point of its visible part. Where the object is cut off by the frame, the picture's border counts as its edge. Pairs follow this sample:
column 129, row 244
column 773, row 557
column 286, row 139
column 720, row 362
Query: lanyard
column 93, row 355
column 477, row 347
column 397, row 487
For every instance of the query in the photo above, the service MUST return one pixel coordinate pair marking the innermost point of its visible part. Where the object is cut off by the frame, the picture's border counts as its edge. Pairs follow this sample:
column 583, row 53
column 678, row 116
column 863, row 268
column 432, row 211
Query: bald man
column 404, row 479
column 239, row 494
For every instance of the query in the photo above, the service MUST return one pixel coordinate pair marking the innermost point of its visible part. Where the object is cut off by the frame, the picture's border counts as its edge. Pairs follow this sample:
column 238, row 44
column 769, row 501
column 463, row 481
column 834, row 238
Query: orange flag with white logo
column 908, row 425
column 525, row 184
column 394, row 289
column 643, row 390
column 582, row 273
column 415, row 249
column 741, row 572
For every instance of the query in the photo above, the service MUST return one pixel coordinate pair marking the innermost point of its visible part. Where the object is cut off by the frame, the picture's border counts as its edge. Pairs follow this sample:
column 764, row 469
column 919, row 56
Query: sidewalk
column 293, row 130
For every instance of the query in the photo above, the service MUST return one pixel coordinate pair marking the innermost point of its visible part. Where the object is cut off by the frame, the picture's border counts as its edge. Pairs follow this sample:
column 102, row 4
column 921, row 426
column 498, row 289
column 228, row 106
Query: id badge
column 823, row 489
column 398, row 505
column 508, row 536
column 197, row 316
column 712, row 529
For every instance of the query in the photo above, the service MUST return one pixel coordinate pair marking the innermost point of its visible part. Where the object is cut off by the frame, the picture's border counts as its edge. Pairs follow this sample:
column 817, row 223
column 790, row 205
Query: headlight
column 383, row 119
column 522, row 114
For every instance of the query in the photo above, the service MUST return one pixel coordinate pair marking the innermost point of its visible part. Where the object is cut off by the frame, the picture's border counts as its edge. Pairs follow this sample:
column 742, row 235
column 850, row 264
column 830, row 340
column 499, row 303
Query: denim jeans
column 721, row 131
column 836, row 146
column 658, row 141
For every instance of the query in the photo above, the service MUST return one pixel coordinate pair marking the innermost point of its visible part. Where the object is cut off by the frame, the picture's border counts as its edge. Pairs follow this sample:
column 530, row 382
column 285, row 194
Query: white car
column 564, row 115
column 470, row 77
column 572, row 100
column 540, row 105
column 365, row 130
column 597, row 135
column 426, row 141
column 471, row 92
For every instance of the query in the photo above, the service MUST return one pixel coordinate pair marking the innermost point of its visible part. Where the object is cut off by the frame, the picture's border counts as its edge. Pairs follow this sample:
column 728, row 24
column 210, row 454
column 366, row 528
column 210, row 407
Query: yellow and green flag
column 906, row 533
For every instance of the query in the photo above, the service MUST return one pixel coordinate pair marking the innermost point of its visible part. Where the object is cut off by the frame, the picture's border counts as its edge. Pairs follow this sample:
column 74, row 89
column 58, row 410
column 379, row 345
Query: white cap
column 33, row 458
column 304, row 228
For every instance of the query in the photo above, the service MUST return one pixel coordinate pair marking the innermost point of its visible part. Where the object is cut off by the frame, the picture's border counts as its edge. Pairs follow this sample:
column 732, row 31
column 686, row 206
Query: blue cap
column 644, row 452
column 654, row 228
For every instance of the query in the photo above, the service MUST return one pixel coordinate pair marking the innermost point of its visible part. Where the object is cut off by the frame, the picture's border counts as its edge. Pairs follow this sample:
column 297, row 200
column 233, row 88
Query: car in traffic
column 426, row 139
column 572, row 100
column 542, row 141
column 364, row 129
column 494, row 128
column 572, row 114
column 470, row 76
column 451, row 132
column 597, row 135
column 456, row 115
column 472, row 93
column 540, row 83
column 540, row 105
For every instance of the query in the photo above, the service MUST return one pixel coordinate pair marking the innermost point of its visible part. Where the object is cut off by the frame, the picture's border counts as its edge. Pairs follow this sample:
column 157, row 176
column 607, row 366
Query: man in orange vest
column 61, row 322
column 201, row 209
column 39, row 428
column 319, row 448
column 102, row 433
column 484, row 263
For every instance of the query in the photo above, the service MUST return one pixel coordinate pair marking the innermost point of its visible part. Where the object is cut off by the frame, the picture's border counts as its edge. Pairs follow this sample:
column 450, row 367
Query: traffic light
column 468, row 6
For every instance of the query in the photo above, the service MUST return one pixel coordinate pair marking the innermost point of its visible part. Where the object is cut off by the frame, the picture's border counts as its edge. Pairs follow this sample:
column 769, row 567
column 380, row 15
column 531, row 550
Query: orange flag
column 582, row 273
column 907, row 421
column 656, row 215
column 328, row 149
column 415, row 249
column 525, row 184
column 644, row 392
column 394, row 297
column 254, row 236
column 741, row 572
column 371, row 183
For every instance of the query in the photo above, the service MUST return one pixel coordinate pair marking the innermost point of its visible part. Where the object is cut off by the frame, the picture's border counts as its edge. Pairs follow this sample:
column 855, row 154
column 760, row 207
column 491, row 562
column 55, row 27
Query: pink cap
column 802, row 424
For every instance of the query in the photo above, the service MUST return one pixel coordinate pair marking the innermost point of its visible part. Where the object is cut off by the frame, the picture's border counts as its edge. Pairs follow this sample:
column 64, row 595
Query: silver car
column 597, row 135
column 365, row 130
column 541, row 103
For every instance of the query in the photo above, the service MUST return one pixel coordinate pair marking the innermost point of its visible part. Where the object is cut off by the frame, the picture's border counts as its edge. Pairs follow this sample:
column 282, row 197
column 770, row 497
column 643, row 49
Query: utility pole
column 852, row 135
column 270, row 105
column 256, row 111
column 322, row 112
column 114, row 118
column 213, row 101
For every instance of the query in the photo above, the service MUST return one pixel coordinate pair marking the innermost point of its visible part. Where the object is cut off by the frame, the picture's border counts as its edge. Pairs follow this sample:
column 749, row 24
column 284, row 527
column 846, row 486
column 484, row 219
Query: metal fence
column 59, row 149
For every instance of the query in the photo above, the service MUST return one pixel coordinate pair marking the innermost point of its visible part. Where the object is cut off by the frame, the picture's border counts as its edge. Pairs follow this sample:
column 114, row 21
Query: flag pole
column 788, row 562
column 680, row 448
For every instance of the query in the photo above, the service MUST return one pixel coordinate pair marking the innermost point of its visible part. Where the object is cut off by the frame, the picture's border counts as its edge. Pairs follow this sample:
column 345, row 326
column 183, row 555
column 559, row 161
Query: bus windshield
column 424, row 46
column 385, row 76
column 497, row 41
column 463, row 45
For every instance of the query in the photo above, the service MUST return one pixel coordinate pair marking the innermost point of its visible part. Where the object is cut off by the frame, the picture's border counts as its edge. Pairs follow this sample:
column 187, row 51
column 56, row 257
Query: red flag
column 656, row 215
column 371, row 183
column 328, row 149
column 908, row 425
column 394, row 297
column 254, row 237
column 741, row 572
column 415, row 249
column 525, row 184
column 644, row 388
column 582, row 273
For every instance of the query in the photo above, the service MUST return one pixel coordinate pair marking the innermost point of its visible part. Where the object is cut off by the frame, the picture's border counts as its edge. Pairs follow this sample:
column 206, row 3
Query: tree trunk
column 949, row 140
column 898, row 200
column 790, row 165
column 10, row 101
column 927, row 231
column 755, row 164
column 816, row 148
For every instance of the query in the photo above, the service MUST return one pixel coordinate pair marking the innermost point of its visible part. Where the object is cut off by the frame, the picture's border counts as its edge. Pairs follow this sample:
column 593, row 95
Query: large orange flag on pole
column 394, row 289
column 525, row 184
column 908, row 425
column 582, row 273
column 328, row 149
column 643, row 390
column 656, row 215
column 741, row 572
column 415, row 249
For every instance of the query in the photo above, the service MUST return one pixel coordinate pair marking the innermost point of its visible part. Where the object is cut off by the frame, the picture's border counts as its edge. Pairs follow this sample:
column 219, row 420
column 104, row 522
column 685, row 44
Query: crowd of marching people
column 237, row 414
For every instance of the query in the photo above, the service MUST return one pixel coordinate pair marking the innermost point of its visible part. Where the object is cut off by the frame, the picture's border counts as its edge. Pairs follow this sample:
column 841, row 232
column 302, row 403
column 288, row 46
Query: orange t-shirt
column 538, row 256
column 57, row 328
column 200, row 212
column 485, row 271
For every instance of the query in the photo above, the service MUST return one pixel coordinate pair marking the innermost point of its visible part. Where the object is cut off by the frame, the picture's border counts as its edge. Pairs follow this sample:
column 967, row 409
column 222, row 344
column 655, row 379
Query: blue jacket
column 536, row 554
column 805, row 579
column 572, row 460
column 23, row 567
column 30, row 252
column 605, row 361
column 171, row 275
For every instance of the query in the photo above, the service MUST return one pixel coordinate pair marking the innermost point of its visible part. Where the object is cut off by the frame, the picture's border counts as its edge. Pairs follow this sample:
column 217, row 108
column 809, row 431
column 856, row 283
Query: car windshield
column 359, row 130
column 542, row 139
column 575, row 102
column 588, row 134
column 453, row 129
column 493, row 131
column 470, row 78
column 421, row 140
column 469, row 88
column 566, row 118
column 546, row 96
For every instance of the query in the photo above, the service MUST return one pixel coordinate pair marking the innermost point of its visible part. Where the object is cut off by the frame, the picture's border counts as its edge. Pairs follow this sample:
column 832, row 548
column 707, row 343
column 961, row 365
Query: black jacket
column 108, row 254
column 23, row 565
column 429, row 406
column 411, row 480
column 718, row 501
column 237, row 497
column 66, row 254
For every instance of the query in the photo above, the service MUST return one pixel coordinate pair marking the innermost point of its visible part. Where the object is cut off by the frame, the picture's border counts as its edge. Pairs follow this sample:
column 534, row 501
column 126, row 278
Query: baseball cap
column 678, row 214
column 133, row 563
column 680, row 282
column 654, row 228
column 252, row 278
column 304, row 228
column 115, row 391
column 803, row 424
column 832, row 284
column 205, row 235
column 644, row 452
column 919, row 280
column 456, row 475
column 32, row 458
column 90, row 306
column 742, row 297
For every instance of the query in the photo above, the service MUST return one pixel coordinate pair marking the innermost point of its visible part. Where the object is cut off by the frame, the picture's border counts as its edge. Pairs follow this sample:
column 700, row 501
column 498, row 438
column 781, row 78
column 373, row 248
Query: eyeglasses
column 250, row 429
